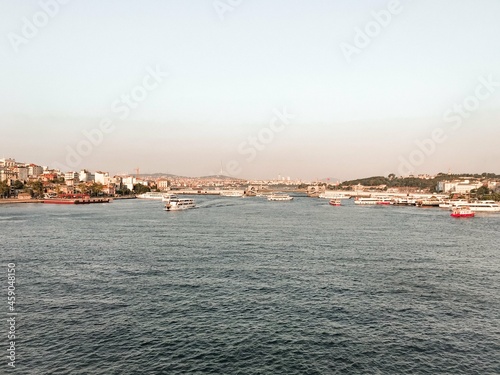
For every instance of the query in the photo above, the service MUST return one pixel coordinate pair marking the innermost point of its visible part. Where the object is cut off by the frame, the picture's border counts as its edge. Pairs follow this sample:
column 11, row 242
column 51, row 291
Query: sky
column 255, row 88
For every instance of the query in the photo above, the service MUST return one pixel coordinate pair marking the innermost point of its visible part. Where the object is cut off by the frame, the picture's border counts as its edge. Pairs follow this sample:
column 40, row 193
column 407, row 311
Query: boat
column 366, row 201
column 232, row 193
column 405, row 201
column 174, row 203
column 384, row 201
column 479, row 206
column 151, row 195
column 279, row 197
column 449, row 203
column 333, row 194
column 75, row 199
column 464, row 211
column 335, row 202
column 433, row 202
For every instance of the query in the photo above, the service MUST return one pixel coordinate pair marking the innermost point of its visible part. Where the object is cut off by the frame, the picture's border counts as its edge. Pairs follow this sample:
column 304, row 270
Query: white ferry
column 151, row 195
column 279, row 197
column 174, row 203
column 405, row 201
column 332, row 194
column 232, row 193
column 366, row 201
column 450, row 203
column 479, row 206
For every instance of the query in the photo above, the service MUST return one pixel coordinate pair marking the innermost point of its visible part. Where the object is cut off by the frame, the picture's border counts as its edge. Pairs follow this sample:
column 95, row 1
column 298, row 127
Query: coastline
column 16, row 201
column 10, row 201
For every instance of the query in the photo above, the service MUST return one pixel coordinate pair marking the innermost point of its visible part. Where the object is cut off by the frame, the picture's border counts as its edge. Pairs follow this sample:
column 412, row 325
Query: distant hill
column 173, row 176
column 414, row 181
column 331, row 180
column 220, row 177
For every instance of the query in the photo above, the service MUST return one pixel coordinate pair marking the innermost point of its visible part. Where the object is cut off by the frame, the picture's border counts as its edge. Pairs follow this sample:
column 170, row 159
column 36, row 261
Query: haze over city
column 309, row 89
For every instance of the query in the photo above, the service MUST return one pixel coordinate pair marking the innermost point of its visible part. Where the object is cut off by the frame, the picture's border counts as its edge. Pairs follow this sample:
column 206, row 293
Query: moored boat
column 479, row 206
column 366, row 201
column 383, row 201
column 75, row 199
column 151, row 195
column 464, row 211
column 232, row 193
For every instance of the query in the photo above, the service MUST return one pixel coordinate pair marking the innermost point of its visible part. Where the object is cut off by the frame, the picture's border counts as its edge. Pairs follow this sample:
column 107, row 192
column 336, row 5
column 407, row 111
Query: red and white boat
column 462, row 212
column 335, row 202
column 384, row 201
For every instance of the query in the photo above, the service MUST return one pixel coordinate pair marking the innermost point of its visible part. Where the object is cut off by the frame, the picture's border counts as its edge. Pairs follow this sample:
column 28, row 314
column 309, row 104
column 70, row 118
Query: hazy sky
column 306, row 88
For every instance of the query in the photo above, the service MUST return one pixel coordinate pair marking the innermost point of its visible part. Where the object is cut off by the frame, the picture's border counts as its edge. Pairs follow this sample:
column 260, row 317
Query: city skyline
column 308, row 90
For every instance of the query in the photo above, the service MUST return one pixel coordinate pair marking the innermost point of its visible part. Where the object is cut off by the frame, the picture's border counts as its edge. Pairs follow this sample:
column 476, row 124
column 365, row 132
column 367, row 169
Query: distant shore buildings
column 14, row 173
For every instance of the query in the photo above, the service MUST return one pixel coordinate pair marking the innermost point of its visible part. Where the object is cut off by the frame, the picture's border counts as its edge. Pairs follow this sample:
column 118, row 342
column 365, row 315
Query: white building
column 22, row 173
column 102, row 178
column 163, row 185
column 71, row 176
column 129, row 182
column 86, row 176
column 458, row 187
column 35, row 170
column 8, row 163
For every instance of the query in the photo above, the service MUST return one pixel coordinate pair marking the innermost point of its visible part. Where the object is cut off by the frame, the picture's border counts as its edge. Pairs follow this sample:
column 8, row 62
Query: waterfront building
column 71, row 176
column 163, row 184
column 34, row 170
column 21, row 173
column 102, row 178
column 86, row 176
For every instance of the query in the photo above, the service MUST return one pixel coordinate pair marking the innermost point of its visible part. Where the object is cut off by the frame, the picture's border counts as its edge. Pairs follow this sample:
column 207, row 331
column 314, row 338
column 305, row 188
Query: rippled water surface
column 246, row 286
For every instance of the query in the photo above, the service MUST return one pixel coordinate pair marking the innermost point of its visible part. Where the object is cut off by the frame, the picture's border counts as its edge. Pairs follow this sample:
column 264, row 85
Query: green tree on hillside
column 141, row 189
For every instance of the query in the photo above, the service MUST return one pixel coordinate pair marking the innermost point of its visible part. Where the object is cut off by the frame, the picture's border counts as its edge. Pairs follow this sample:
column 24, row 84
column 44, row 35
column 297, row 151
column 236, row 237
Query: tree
column 124, row 191
column 96, row 189
column 4, row 189
column 83, row 188
column 141, row 189
column 37, row 188
column 18, row 185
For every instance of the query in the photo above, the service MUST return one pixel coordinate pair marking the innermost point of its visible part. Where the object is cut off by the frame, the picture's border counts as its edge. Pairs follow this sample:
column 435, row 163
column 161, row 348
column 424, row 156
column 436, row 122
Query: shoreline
column 13, row 201
column 17, row 201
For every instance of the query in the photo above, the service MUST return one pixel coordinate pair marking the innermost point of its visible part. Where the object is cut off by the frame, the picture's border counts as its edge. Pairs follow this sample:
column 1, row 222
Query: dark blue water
column 246, row 286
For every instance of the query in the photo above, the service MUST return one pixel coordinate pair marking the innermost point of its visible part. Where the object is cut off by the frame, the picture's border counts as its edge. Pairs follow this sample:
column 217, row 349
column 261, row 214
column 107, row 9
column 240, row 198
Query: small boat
column 279, row 197
column 335, row 202
column 464, row 211
column 173, row 203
